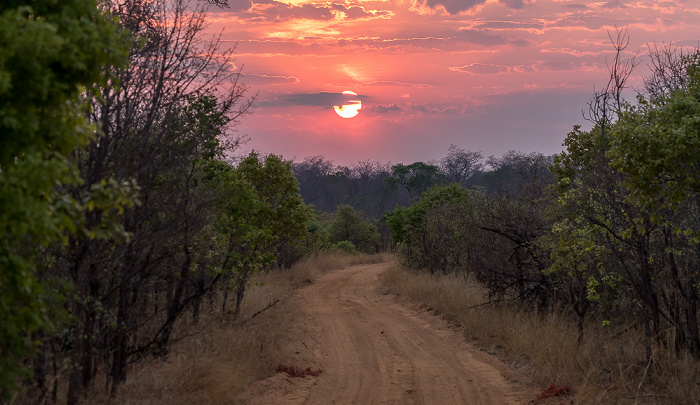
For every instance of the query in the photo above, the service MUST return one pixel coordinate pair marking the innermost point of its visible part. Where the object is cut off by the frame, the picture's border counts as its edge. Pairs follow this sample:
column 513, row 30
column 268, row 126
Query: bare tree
column 460, row 165
column 605, row 105
column 669, row 69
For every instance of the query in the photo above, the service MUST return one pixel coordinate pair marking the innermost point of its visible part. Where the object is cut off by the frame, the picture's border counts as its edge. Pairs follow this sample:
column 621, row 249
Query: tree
column 433, row 232
column 515, row 173
column 512, row 218
column 49, row 55
column 312, row 174
column 669, row 70
column 160, row 119
column 461, row 165
column 606, row 104
column 655, row 146
column 349, row 225
column 414, row 178
column 278, row 215
column 588, row 242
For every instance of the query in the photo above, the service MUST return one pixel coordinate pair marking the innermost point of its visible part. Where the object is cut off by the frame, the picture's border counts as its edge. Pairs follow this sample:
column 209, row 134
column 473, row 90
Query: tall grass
column 213, row 360
column 608, row 367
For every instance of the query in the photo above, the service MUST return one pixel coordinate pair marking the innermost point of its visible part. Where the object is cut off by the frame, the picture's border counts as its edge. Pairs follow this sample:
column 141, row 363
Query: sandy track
column 373, row 350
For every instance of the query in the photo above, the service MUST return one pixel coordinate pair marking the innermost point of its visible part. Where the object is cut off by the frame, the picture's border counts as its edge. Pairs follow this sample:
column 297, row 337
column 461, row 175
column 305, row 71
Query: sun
column 349, row 108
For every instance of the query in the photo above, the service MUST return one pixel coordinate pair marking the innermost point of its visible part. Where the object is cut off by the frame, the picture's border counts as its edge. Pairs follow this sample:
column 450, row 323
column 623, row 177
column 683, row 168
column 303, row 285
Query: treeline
column 608, row 230
column 120, row 212
column 376, row 188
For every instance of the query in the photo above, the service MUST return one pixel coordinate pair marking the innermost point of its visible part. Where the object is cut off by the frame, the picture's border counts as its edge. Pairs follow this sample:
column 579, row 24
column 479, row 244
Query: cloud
column 481, row 69
column 510, row 25
column 385, row 109
column 276, row 11
column 239, row 5
column 548, row 66
column 453, row 7
column 356, row 12
column 560, row 66
column 262, row 80
column 413, row 109
column 450, row 6
column 614, row 4
column 434, row 110
column 399, row 84
column 576, row 6
column 592, row 22
column 321, row 99
column 479, row 37
column 516, row 4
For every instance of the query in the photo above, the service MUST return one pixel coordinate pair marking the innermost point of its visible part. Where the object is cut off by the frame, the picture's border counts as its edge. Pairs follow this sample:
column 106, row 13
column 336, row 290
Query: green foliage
column 346, row 247
column 630, row 215
column 259, row 211
column 655, row 144
column 415, row 178
column 282, row 212
column 50, row 54
column 349, row 225
column 433, row 232
column 314, row 241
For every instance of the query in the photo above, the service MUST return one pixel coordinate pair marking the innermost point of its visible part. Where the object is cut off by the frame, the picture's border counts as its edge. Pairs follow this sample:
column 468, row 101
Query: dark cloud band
column 322, row 99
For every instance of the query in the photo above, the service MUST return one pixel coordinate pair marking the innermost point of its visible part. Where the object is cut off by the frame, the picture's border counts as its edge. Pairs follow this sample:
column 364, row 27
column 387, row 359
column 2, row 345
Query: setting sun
column 350, row 108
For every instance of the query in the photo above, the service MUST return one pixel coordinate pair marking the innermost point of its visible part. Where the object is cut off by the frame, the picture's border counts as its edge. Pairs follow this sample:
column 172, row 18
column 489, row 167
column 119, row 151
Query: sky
column 485, row 75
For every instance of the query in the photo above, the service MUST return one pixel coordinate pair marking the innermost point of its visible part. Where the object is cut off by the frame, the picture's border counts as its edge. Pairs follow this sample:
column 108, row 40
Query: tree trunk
column 174, row 306
column 80, row 345
column 118, row 372
column 240, row 290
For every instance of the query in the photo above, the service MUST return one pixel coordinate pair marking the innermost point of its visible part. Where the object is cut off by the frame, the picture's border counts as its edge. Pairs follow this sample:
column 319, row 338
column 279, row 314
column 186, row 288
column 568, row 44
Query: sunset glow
column 489, row 75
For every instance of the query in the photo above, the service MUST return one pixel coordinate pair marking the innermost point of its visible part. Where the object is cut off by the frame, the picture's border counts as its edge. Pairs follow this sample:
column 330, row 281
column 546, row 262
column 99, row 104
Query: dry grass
column 608, row 367
column 220, row 357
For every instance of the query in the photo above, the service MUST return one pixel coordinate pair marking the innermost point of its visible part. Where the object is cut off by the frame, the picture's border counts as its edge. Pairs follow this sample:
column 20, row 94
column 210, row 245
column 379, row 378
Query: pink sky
column 485, row 75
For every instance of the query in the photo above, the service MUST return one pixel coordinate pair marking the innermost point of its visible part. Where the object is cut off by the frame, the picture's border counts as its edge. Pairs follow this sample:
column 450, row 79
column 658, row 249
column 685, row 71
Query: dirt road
column 373, row 350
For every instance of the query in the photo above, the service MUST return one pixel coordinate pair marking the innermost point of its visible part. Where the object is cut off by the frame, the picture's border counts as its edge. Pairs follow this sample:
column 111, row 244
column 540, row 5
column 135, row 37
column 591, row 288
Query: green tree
column 655, row 146
column 433, row 232
column 415, row 178
column 349, row 225
column 273, row 214
column 50, row 54
column 656, row 143
column 161, row 118
column 614, row 240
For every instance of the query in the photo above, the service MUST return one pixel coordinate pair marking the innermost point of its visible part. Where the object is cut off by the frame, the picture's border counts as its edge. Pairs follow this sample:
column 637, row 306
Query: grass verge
column 608, row 367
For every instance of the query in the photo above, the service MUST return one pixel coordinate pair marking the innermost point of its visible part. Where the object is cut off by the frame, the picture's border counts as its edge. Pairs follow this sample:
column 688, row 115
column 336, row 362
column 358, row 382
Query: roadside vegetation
column 582, row 267
column 214, row 359
column 608, row 367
